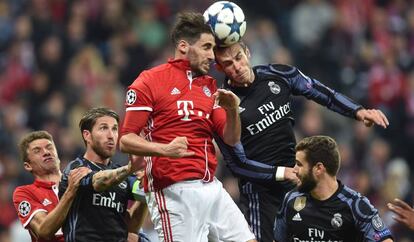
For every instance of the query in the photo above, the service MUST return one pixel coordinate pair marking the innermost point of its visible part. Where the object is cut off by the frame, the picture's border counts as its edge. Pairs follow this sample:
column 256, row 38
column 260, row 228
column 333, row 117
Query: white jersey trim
column 139, row 109
column 33, row 214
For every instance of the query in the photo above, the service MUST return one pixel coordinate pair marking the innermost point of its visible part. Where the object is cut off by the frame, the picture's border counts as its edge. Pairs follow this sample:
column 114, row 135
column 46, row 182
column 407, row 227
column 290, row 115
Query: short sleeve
column 26, row 205
column 369, row 222
column 140, row 95
column 218, row 119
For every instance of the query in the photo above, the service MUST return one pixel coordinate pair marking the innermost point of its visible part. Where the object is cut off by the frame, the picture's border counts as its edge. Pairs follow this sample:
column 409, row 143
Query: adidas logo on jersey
column 241, row 109
column 297, row 217
column 46, row 202
column 175, row 91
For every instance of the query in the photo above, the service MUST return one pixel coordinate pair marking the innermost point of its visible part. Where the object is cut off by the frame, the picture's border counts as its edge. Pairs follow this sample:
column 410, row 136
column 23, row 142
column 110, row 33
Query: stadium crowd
column 59, row 58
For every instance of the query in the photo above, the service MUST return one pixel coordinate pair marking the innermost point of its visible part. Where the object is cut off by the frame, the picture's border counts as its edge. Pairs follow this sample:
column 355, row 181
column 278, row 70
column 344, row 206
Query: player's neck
column 325, row 188
column 50, row 177
column 91, row 156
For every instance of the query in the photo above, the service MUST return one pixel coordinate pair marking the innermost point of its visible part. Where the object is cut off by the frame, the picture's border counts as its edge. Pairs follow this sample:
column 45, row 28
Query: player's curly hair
column 29, row 138
column 321, row 149
column 189, row 26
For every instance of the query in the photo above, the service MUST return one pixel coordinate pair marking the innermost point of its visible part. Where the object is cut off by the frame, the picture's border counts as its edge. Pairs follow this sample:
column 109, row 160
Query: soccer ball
column 227, row 21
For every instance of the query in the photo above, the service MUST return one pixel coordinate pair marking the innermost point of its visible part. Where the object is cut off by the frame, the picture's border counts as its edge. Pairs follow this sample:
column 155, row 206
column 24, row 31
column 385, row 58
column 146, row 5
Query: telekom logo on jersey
column 186, row 109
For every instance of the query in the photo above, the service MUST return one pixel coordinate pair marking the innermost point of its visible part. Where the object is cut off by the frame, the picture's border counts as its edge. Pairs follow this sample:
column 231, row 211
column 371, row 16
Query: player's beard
column 99, row 149
column 197, row 64
column 307, row 182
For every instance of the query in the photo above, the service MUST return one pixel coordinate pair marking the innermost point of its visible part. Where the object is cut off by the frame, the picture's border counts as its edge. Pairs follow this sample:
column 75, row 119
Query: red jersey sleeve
column 26, row 205
column 218, row 118
column 139, row 104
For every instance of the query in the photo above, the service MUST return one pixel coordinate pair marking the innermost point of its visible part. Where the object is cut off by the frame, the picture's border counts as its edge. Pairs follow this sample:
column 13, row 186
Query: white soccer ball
column 227, row 21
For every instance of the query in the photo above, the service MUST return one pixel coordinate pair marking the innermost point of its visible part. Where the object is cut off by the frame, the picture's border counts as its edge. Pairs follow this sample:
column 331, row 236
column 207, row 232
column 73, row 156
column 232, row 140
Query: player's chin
column 204, row 69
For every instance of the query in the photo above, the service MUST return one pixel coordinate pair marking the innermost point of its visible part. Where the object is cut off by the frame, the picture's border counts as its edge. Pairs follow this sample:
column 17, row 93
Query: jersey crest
column 207, row 91
column 336, row 221
column 274, row 88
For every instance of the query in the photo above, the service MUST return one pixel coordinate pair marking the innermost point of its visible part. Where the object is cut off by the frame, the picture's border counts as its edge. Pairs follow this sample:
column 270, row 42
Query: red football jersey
column 179, row 105
column 41, row 196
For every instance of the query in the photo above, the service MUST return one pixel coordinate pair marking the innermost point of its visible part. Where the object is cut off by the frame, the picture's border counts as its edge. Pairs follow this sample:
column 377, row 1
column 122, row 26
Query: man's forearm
column 137, row 214
column 232, row 129
column 54, row 220
column 103, row 180
column 134, row 144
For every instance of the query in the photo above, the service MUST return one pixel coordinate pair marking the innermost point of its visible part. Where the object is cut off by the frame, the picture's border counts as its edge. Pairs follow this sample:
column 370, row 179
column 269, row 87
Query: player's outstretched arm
column 45, row 225
column 103, row 180
column 404, row 213
column 371, row 117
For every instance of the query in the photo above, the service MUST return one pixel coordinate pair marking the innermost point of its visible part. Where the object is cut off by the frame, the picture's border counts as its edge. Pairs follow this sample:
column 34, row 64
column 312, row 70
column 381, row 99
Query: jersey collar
column 45, row 184
column 180, row 63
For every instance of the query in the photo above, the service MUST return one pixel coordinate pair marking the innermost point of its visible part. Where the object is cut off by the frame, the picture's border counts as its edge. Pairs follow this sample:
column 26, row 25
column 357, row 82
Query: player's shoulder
column 78, row 162
column 280, row 70
column 294, row 194
column 359, row 204
column 24, row 189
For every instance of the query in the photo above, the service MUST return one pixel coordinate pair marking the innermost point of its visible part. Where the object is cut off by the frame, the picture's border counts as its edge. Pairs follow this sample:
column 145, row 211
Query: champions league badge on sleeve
column 24, row 208
column 131, row 97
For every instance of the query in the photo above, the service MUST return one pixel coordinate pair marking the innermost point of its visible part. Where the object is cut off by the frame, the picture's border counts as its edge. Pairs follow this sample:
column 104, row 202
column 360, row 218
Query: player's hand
column 132, row 237
column 227, row 99
column 403, row 212
column 371, row 117
column 290, row 175
column 75, row 176
column 177, row 148
column 136, row 162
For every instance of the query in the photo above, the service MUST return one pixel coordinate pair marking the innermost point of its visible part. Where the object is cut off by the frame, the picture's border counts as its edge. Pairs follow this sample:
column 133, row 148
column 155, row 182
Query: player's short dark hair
column 89, row 118
column 29, row 138
column 189, row 26
column 321, row 149
column 219, row 49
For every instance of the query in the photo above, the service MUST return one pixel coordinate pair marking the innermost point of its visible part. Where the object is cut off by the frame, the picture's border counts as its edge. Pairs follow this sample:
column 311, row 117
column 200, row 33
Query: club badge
column 336, row 221
column 274, row 88
column 207, row 91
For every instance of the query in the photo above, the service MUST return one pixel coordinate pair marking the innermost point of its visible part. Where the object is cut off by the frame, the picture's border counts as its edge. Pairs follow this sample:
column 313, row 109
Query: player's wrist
column 280, row 173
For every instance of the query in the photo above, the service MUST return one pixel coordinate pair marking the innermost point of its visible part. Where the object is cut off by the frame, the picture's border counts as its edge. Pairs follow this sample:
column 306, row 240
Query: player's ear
column 86, row 135
column 27, row 166
column 319, row 168
column 183, row 47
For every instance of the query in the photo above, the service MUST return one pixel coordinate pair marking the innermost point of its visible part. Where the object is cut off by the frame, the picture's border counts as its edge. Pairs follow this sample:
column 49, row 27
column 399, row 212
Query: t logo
column 185, row 108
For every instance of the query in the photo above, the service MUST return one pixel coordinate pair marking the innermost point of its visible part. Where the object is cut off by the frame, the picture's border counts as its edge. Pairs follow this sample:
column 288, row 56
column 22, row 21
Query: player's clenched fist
column 177, row 148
